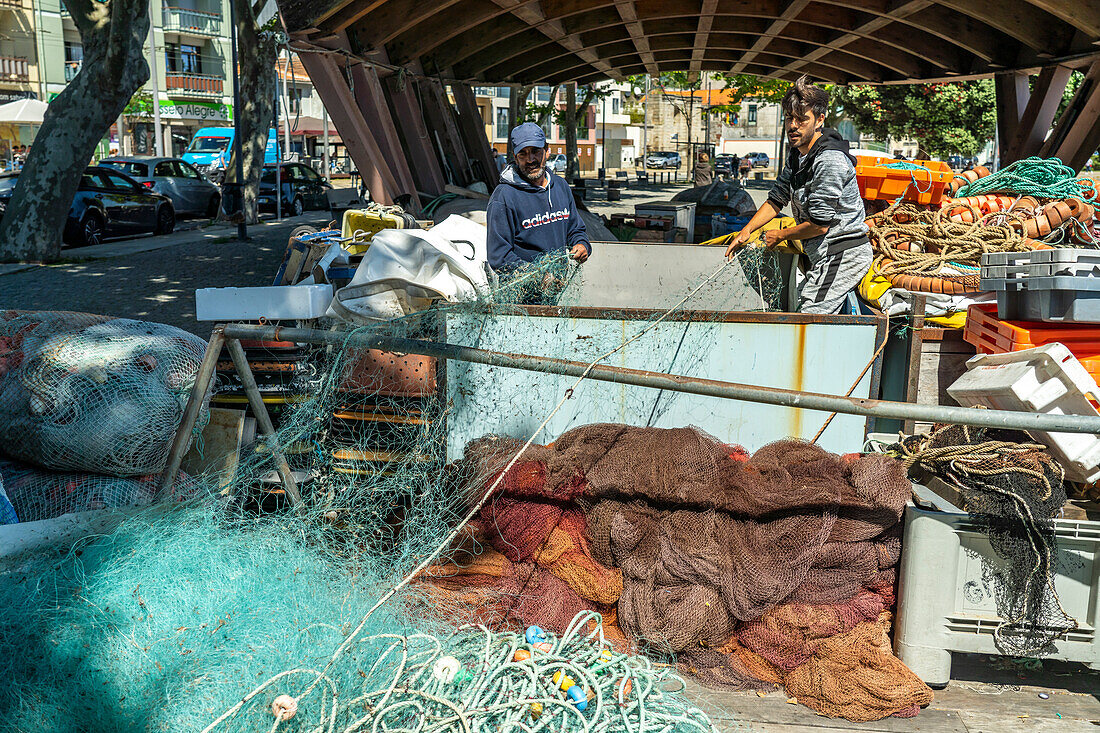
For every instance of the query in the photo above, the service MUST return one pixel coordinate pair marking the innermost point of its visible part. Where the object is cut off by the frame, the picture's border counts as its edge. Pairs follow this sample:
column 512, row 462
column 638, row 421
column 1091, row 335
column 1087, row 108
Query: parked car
column 191, row 193
column 557, row 162
column 723, row 164
column 663, row 160
column 108, row 203
column 759, row 160
column 302, row 189
column 211, row 148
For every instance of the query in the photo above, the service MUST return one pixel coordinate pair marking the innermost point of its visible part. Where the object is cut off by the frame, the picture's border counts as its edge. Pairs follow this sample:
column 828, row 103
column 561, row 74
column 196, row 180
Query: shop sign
column 204, row 111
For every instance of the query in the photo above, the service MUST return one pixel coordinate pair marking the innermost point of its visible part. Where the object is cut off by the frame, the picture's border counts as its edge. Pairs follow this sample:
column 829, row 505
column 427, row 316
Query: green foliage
column 944, row 118
column 140, row 105
column 750, row 86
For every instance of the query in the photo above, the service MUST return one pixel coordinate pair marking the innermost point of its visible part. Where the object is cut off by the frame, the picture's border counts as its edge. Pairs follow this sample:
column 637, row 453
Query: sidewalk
column 192, row 232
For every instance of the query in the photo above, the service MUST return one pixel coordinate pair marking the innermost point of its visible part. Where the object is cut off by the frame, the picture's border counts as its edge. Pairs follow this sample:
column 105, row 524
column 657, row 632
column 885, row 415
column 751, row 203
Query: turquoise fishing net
column 170, row 619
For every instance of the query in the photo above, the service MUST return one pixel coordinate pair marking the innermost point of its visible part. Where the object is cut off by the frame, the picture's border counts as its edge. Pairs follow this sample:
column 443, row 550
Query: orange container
column 877, row 182
column 990, row 335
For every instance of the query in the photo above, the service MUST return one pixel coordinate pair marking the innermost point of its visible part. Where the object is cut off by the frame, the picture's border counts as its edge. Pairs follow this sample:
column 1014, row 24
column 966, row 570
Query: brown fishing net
column 744, row 569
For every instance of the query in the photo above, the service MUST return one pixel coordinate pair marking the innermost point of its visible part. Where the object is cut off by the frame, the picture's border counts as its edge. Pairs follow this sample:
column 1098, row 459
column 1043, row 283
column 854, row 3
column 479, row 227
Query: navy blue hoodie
column 527, row 221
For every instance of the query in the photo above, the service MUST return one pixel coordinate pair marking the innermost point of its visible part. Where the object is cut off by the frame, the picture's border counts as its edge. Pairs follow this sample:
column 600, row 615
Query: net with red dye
column 744, row 569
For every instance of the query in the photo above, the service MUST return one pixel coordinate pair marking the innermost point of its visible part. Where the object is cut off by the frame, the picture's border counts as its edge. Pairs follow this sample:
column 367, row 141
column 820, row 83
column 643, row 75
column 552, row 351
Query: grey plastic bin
column 1061, row 299
column 945, row 605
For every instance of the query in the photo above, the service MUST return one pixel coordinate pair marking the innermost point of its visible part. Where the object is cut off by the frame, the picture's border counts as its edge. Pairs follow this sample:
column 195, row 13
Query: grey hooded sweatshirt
column 821, row 188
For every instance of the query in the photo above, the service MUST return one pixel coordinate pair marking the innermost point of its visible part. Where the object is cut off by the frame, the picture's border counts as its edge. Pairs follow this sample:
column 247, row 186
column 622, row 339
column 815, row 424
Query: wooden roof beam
column 702, row 33
column 1035, row 28
column 869, row 28
column 629, row 15
column 533, row 14
column 679, row 44
column 792, row 11
column 1081, row 14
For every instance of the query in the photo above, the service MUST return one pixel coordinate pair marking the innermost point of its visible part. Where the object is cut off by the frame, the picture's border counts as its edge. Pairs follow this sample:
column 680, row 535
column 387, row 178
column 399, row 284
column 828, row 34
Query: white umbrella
column 23, row 112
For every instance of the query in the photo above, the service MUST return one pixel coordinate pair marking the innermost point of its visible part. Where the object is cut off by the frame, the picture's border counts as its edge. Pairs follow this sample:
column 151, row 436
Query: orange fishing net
column 772, row 569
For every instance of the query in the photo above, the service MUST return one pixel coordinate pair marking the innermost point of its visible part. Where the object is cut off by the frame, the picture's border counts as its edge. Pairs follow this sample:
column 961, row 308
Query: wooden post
column 913, row 381
column 194, row 406
column 439, row 115
column 358, row 138
column 263, row 419
column 1076, row 134
column 472, row 128
column 1038, row 115
column 414, row 134
column 376, row 112
column 1012, row 92
column 573, row 163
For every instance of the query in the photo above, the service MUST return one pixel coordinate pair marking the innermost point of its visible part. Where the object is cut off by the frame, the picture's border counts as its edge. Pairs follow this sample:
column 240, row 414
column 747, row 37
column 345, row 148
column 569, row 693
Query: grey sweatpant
column 828, row 283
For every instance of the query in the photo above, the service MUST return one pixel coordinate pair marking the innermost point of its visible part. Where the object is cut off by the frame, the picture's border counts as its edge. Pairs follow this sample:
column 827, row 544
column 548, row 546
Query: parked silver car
column 191, row 193
column 557, row 162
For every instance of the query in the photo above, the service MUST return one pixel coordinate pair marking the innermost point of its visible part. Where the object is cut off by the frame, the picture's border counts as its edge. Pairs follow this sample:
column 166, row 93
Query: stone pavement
column 153, row 278
column 986, row 695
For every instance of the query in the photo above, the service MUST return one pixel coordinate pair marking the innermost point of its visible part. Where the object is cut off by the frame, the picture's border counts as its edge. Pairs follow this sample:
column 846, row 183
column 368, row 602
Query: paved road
column 155, row 278
column 156, row 285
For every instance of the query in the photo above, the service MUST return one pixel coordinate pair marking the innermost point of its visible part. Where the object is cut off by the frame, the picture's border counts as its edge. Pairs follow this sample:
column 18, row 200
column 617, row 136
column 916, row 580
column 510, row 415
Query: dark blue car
column 108, row 203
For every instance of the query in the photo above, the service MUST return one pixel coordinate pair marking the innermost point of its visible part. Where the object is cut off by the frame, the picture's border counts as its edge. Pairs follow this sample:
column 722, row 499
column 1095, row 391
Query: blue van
column 211, row 148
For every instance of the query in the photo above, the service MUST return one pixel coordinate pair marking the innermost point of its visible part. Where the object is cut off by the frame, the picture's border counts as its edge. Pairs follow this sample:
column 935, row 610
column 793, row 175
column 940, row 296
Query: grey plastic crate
column 946, row 604
column 1060, row 299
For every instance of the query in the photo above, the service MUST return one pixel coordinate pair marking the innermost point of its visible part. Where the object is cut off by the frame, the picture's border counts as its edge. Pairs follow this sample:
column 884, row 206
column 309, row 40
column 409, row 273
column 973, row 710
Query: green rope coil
column 1039, row 177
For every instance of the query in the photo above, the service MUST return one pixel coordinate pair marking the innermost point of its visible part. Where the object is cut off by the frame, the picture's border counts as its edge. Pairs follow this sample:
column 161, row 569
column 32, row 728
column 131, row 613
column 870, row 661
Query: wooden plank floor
column 985, row 696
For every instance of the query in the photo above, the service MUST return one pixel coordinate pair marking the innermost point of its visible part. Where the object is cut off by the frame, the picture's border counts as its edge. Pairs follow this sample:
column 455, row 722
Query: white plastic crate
column 946, row 604
column 274, row 303
column 1047, row 380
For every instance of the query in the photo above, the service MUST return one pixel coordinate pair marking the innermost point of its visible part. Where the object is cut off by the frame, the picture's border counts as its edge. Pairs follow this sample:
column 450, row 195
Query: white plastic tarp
column 406, row 270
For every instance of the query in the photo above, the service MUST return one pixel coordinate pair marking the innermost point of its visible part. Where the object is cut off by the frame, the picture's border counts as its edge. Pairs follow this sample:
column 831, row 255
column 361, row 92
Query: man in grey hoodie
column 819, row 182
column 532, row 211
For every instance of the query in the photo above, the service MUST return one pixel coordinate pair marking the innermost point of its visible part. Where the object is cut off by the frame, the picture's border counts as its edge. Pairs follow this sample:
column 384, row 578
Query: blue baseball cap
column 527, row 135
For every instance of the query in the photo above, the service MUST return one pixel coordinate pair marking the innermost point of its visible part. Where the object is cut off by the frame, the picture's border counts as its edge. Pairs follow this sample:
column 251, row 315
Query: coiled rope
column 477, row 679
column 1039, row 177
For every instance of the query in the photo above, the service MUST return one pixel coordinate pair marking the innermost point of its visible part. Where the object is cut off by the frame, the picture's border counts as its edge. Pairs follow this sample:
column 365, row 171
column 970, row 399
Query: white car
column 557, row 163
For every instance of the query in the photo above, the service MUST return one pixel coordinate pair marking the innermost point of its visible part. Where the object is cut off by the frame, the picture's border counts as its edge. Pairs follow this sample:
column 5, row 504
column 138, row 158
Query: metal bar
column 263, row 419
column 194, row 406
column 679, row 383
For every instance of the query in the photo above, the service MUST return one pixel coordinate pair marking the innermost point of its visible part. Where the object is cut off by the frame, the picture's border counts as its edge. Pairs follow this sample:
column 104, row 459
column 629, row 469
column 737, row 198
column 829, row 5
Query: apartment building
column 604, row 116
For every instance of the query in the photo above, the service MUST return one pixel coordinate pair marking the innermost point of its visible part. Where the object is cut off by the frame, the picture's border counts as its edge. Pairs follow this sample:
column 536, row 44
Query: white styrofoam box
column 1047, row 380
column 946, row 601
column 273, row 302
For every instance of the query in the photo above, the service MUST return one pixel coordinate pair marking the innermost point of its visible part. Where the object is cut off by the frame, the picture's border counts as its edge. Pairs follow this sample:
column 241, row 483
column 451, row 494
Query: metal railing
column 198, row 84
column 72, row 68
column 195, row 22
column 14, row 68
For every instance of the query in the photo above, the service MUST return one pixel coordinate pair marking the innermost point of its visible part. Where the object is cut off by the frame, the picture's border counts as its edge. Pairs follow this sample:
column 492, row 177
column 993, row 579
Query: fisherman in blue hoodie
column 532, row 212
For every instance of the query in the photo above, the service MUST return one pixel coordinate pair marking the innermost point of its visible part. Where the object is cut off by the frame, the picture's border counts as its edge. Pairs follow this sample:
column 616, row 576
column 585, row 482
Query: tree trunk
column 256, row 58
column 114, row 68
column 547, row 113
column 573, row 163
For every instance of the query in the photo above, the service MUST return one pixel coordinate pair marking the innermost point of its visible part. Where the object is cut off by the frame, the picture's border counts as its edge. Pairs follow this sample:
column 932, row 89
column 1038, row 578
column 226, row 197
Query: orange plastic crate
column 877, row 182
column 990, row 335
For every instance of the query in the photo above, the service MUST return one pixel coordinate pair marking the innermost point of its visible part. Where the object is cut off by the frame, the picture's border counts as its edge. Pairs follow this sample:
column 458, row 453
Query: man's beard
column 535, row 179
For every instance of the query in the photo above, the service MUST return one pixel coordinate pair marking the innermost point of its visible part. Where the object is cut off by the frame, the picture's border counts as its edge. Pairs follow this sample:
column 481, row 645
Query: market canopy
column 22, row 112
column 842, row 41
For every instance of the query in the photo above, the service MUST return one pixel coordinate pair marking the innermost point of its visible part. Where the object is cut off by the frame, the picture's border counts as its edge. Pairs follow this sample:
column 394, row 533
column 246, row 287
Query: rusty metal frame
column 677, row 382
